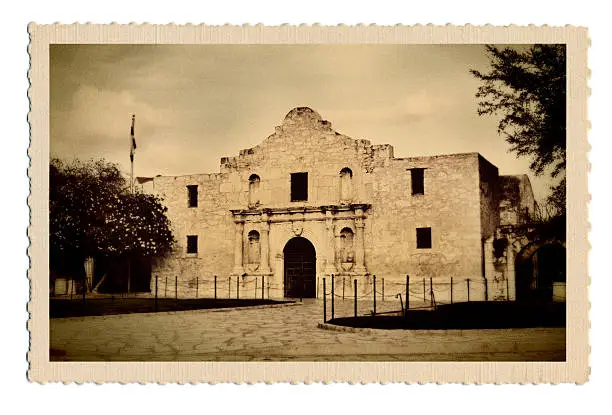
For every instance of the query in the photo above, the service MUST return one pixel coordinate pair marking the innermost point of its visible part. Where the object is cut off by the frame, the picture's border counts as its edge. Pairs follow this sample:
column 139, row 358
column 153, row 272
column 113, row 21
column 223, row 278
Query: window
column 193, row 195
column 192, row 244
column 299, row 187
column 423, row 238
column 417, row 177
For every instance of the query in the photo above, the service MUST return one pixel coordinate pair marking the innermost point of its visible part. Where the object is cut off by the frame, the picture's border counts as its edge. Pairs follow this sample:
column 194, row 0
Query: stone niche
column 335, row 231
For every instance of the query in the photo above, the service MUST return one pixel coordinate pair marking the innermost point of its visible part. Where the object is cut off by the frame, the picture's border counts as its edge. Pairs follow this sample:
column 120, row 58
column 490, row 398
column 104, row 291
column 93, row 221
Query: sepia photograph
column 308, row 202
column 205, row 177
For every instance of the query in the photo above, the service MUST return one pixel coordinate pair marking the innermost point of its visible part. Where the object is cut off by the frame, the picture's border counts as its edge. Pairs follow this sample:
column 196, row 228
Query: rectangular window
column 417, row 177
column 423, row 238
column 193, row 195
column 299, row 187
column 192, row 244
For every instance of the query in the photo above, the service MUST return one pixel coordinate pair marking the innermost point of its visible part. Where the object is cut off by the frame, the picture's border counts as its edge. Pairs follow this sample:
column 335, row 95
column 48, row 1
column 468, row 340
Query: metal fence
column 217, row 287
column 378, row 296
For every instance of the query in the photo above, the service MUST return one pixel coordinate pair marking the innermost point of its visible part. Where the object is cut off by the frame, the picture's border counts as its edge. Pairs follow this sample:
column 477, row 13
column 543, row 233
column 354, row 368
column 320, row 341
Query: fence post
column 507, row 289
column 84, row 288
column 486, row 290
column 176, row 287
column 229, row 286
column 263, row 284
column 468, row 289
column 451, row 290
column 268, row 289
column 166, row 288
column 215, row 287
column 431, row 297
column 197, row 286
column 324, row 302
column 407, row 291
column 238, row 288
column 156, row 277
column 343, row 288
column 383, row 290
column 255, row 295
column 424, row 298
column 332, row 296
column 355, row 295
column 374, row 291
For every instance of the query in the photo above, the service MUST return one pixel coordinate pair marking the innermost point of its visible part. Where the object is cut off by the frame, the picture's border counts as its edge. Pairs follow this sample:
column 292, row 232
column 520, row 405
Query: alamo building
column 309, row 202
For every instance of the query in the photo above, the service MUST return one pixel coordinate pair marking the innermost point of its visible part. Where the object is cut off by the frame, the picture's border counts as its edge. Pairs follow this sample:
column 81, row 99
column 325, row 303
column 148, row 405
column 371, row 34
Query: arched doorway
column 537, row 267
column 300, row 268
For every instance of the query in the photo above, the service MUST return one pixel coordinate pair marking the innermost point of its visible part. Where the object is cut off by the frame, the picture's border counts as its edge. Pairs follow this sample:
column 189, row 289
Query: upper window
column 192, row 244
column 417, row 177
column 192, row 191
column 299, row 187
column 423, row 238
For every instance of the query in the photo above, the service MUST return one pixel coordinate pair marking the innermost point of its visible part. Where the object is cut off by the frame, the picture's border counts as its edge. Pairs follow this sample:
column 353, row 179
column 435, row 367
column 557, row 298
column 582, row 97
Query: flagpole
column 132, row 175
column 132, row 148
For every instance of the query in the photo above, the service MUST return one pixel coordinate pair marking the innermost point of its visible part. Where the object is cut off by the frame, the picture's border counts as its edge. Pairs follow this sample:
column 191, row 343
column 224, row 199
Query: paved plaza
column 286, row 333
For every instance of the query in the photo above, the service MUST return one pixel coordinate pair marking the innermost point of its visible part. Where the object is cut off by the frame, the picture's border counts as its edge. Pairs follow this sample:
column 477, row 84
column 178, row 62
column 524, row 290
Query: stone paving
column 284, row 333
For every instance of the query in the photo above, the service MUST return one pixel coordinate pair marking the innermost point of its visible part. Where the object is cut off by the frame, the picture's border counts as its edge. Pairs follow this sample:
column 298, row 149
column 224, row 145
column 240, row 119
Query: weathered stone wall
column 516, row 207
column 459, row 204
column 304, row 147
column 450, row 206
column 489, row 197
column 517, row 202
column 211, row 221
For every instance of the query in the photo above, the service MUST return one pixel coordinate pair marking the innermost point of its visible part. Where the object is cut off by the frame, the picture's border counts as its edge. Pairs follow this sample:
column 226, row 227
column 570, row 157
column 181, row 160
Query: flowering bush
column 92, row 213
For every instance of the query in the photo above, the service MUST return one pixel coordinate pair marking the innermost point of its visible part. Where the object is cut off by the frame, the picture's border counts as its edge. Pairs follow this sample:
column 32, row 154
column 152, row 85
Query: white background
column 17, row 395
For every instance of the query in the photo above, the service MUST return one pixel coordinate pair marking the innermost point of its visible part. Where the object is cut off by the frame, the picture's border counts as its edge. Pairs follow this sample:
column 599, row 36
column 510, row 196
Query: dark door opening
column 300, row 268
column 537, row 268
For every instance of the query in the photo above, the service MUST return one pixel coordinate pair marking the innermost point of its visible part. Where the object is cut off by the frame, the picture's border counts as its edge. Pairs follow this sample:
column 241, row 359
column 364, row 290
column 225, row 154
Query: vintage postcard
column 306, row 204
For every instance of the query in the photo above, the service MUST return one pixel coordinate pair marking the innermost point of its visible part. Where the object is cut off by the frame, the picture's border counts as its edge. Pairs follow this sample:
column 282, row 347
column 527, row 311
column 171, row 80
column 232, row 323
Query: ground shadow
column 472, row 315
column 117, row 305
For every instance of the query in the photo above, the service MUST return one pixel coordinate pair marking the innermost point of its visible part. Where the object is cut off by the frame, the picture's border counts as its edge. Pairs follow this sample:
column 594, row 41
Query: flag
column 132, row 139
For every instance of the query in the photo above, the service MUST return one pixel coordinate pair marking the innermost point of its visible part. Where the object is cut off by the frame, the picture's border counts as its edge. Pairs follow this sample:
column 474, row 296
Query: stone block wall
column 449, row 206
column 459, row 204
column 211, row 221
column 517, row 202
column 489, row 197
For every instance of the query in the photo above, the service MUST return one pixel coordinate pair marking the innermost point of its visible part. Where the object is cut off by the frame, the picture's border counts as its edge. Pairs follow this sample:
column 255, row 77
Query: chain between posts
column 443, row 291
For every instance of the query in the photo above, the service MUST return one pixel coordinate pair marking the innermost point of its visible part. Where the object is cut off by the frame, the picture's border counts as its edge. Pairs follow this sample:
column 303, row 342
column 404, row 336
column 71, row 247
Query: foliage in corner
column 528, row 90
column 92, row 213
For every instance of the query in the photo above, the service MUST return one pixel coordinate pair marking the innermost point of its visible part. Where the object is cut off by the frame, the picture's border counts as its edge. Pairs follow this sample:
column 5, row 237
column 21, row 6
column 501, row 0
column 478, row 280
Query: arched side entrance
column 538, row 267
column 300, row 268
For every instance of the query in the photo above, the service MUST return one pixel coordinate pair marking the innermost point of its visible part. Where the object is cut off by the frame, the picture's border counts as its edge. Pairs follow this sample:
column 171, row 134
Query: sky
column 197, row 103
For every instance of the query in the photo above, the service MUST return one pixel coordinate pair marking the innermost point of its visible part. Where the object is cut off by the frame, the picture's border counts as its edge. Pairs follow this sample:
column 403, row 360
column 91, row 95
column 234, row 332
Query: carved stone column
column 265, row 244
column 238, row 248
column 330, row 267
column 359, row 242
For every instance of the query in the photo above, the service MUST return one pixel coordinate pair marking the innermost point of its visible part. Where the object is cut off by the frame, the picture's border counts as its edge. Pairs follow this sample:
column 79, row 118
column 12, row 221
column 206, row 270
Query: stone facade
column 358, row 207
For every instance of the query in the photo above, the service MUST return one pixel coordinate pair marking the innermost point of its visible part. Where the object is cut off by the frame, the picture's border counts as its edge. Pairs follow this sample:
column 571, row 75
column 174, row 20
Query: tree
column 527, row 88
column 92, row 214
